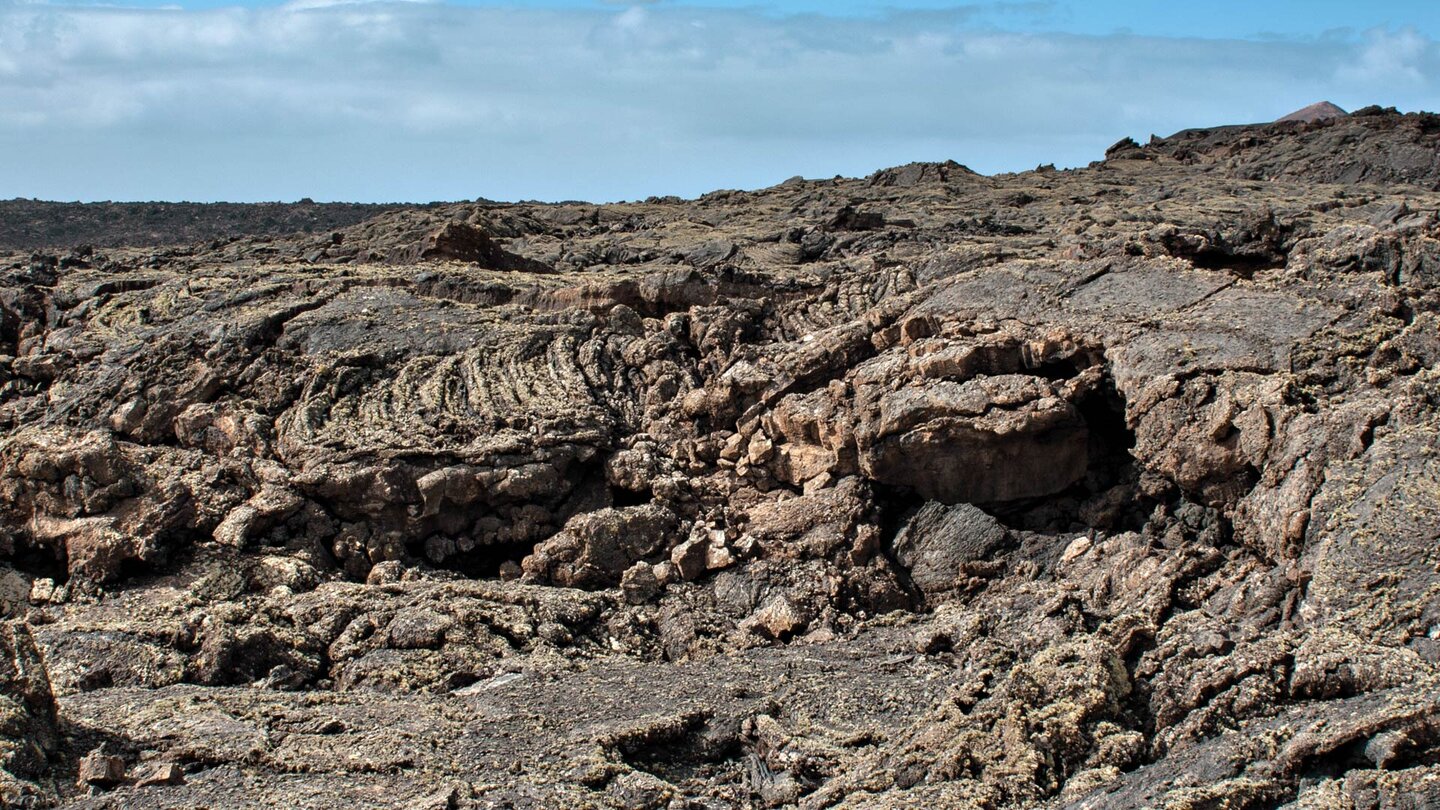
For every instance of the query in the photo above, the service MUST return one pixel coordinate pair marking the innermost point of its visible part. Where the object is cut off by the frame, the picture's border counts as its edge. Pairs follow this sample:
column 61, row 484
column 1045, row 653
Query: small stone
column 760, row 449
column 1076, row 549
column 746, row 546
column 98, row 769
column 159, row 773
column 128, row 418
column 818, row 483
column 510, row 571
column 779, row 619
column 388, row 572
column 639, row 583
column 640, row 790
column 820, row 635
column 690, row 558
column 733, row 448
column 278, row 571
column 718, row 558
column 917, row 327
column 42, row 590
column 696, row 402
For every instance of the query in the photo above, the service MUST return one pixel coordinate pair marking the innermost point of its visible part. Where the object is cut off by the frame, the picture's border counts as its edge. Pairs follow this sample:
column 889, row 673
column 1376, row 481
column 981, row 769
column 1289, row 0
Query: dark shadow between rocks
column 486, row 562
column 37, row 562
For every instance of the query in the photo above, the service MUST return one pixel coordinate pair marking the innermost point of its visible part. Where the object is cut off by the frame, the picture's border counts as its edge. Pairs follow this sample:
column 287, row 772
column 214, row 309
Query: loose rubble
column 1103, row 488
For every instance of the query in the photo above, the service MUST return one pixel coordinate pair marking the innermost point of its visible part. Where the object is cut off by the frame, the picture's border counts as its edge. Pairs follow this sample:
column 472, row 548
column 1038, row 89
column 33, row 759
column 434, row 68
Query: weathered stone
column 939, row 540
column 159, row 773
column 777, row 619
column 98, row 769
column 595, row 549
column 690, row 558
column 639, row 583
column 1003, row 439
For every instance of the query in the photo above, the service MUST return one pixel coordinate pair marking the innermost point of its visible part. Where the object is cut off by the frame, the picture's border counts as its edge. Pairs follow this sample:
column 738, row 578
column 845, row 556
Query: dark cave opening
column 1107, row 497
column 486, row 561
column 135, row 571
column 1111, row 439
column 1244, row 265
column 621, row 497
column 37, row 562
column 1056, row 370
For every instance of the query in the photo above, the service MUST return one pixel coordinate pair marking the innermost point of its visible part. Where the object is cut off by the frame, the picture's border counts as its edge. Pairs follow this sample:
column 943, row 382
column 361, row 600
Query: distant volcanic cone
column 1315, row 112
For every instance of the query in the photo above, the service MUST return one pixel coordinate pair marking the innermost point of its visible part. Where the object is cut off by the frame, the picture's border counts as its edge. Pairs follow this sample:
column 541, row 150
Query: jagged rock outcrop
column 1113, row 487
column 29, row 726
column 1370, row 145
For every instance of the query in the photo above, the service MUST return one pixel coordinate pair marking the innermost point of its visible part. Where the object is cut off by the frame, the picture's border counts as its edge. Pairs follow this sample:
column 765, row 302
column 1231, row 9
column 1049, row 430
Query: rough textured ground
column 31, row 224
column 1106, row 488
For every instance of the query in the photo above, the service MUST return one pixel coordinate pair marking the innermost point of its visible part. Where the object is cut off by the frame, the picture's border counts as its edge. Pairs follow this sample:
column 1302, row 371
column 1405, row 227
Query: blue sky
column 1166, row 18
column 582, row 99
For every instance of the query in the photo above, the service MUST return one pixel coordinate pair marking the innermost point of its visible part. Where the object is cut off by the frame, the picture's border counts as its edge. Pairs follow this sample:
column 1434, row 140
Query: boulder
column 934, row 544
column 462, row 242
column 593, row 550
column 982, row 441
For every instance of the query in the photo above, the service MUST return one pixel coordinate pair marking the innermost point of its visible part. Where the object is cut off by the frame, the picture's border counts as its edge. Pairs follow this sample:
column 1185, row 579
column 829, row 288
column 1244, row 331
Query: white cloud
column 404, row 100
column 1387, row 56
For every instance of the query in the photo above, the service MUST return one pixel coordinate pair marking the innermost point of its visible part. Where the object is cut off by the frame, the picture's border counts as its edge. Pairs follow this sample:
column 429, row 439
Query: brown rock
column 778, row 619
column 690, row 558
column 937, row 543
column 1108, row 487
column 595, row 549
column 999, row 439
column 639, row 583
column 98, row 769
column 159, row 773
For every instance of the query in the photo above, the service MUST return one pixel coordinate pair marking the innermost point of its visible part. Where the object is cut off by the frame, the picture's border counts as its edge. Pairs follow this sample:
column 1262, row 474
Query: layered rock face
column 1105, row 488
column 29, row 727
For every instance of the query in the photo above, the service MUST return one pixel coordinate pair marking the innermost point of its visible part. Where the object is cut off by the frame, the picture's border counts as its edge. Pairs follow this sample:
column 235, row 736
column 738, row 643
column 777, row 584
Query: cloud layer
column 419, row 101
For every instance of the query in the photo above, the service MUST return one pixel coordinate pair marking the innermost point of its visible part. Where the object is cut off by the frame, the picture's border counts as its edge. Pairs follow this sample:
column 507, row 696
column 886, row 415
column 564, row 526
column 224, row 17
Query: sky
column 247, row 100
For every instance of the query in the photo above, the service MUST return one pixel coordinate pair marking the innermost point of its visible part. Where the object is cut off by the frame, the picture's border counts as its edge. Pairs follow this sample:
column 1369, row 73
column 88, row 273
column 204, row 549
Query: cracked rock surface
column 1104, row 488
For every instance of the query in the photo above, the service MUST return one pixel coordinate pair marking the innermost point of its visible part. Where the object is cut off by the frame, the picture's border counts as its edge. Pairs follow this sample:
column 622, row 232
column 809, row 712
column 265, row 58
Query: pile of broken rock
column 1112, row 487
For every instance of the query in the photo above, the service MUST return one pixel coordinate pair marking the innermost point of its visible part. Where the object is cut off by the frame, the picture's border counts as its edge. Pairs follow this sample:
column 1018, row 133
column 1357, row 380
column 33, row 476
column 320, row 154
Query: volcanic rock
column 29, row 725
column 1384, row 148
column 101, row 770
column 935, row 544
column 1318, row 111
column 1107, row 487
